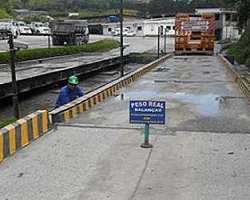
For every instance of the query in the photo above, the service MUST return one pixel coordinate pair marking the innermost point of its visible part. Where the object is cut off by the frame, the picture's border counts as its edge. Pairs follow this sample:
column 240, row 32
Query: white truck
column 6, row 28
column 22, row 27
column 39, row 28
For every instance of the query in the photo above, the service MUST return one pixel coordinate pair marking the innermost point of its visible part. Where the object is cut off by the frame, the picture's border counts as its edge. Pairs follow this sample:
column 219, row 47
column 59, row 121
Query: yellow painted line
column 107, row 93
column 45, row 121
column 74, row 111
column 94, row 100
column 104, row 95
column 1, row 147
column 24, row 132
column 81, row 108
column 86, row 105
column 35, row 126
column 89, row 103
column 99, row 98
column 12, row 138
column 66, row 115
column 110, row 91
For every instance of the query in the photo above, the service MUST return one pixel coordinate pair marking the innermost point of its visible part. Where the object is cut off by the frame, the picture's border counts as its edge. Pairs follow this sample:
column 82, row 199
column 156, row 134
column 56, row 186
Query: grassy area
column 7, row 122
column 30, row 54
column 91, row 13
column 241, row 49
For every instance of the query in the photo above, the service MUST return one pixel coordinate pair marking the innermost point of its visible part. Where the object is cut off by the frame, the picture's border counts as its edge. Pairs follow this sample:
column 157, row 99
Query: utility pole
column 49, row 44
column 158, row 46
column 165, row 40
column 121, row 37
column 13, row 76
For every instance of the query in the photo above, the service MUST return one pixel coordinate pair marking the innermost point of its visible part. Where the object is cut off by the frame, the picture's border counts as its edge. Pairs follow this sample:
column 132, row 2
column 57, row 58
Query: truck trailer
column 194, row 34
column 69, row 32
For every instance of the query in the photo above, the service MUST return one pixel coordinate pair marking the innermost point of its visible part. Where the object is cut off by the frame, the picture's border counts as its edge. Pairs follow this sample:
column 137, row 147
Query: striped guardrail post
column 22, row 132
column 72, row 109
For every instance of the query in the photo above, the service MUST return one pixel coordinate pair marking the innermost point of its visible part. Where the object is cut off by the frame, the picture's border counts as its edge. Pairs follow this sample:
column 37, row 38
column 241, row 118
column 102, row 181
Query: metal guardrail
column 240, row 79
column 21, row 133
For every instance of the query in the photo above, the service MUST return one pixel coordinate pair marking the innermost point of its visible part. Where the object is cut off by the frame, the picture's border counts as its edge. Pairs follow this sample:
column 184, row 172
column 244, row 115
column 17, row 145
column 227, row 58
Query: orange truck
column 194, row 34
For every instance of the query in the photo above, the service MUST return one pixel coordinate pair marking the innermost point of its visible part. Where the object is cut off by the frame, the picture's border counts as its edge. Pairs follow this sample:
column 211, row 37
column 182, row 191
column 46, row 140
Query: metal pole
column 165, row 41
column 49, row 41
column 146, row 143
column 121, row 37
column 158, row 48
column 13, row 76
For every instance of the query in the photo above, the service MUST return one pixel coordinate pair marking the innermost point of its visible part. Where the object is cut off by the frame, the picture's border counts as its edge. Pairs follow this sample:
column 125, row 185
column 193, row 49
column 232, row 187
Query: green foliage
column 31, row 54
column 4, row 14
column 241, row 50
column 7, row 122
column 30, row 19
column 91, row 13
column 243, row 8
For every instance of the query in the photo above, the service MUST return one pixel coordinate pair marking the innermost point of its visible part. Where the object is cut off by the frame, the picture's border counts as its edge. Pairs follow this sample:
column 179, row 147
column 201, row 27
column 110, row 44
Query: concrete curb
column 74, row 108
column 238, row 78
column 21, row 133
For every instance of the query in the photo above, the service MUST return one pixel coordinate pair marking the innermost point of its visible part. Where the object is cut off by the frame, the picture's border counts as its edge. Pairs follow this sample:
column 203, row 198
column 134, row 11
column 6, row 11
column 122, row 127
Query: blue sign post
column 147, row 112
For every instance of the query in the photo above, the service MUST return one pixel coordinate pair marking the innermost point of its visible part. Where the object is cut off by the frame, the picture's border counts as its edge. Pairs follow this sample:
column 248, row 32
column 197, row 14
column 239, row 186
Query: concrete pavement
column 202, row 153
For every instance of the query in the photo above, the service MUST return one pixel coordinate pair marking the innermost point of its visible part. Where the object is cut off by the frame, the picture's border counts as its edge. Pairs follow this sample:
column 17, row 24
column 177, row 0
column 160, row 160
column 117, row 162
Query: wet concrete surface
column 200, row 96
column 98, row 155
column 45, row 98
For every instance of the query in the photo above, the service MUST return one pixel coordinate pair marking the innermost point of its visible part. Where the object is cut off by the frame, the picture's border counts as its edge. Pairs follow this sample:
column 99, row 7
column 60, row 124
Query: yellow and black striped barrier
column 74, row 108
column 243, row 83
column 21, row 133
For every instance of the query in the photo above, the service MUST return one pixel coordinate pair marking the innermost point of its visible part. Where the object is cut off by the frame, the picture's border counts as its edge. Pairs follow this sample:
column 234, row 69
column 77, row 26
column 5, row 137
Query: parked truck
column 69, row 32
column 194, row 34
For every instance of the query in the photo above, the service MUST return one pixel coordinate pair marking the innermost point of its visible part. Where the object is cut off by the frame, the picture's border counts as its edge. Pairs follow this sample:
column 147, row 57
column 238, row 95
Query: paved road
column 137, row 44
column 36, row 41
column 202, row 153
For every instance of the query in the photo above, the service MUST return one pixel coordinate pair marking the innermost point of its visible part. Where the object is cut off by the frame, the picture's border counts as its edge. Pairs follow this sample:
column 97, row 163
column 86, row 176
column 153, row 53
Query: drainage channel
column 44, row 98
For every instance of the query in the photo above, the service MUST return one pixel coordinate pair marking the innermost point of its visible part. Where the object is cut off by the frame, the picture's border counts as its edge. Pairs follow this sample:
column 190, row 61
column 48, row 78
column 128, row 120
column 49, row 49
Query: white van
column 39, row 28
column 22, row 27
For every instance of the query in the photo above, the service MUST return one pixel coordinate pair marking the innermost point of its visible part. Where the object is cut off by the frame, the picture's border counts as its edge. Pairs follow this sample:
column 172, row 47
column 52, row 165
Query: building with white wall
column 143, row 27
column 226, row 22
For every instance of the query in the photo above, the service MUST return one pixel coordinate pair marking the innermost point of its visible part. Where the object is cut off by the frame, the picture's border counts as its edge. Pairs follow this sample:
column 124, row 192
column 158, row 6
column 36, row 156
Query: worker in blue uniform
column 69, row 92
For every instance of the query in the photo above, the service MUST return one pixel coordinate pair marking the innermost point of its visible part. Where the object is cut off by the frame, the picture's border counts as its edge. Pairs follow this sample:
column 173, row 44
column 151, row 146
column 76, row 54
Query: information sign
column 147, row 112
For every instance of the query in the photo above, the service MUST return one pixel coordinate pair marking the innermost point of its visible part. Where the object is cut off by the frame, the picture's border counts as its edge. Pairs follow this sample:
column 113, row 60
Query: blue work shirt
column 66, row 95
